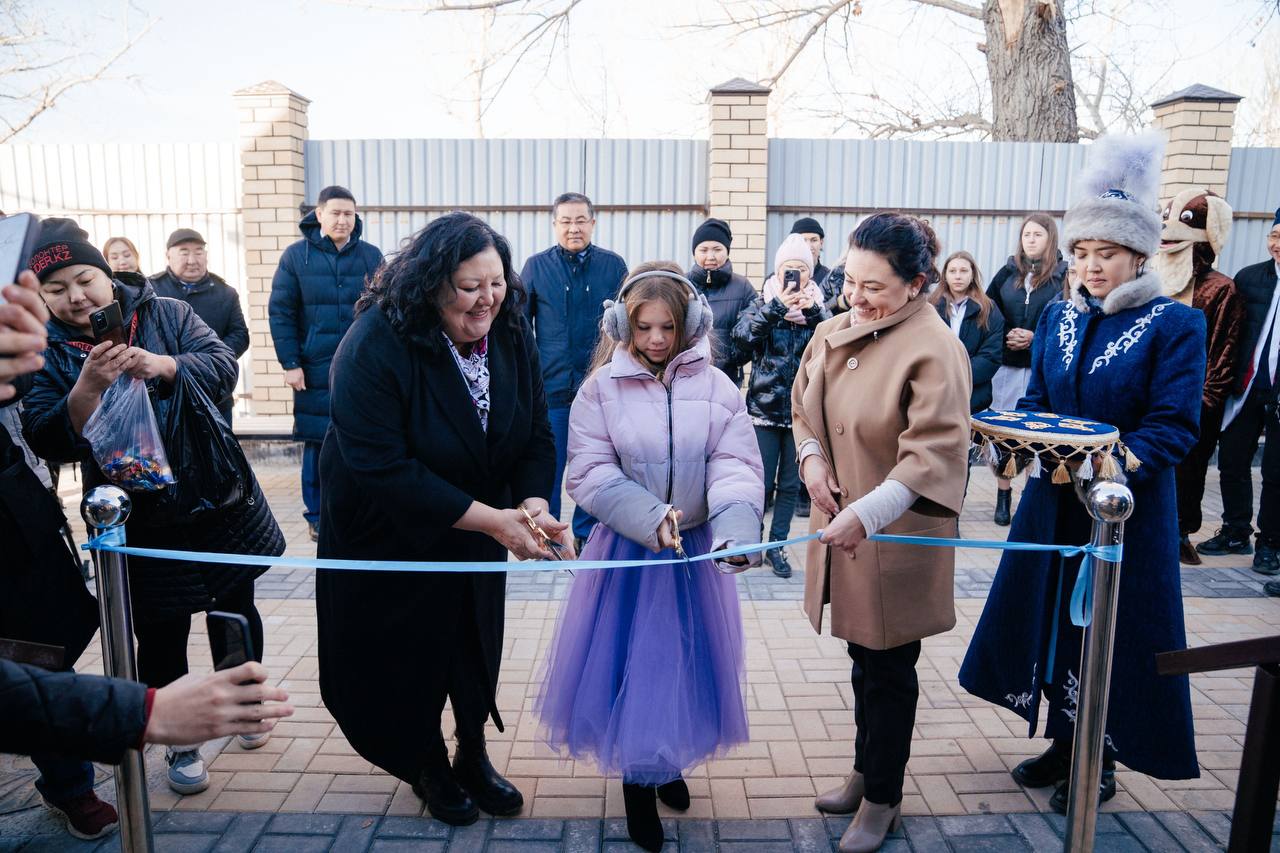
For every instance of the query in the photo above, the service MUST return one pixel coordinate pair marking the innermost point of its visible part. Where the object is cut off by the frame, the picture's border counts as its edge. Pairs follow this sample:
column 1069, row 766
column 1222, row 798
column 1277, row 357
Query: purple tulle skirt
column 645, row 675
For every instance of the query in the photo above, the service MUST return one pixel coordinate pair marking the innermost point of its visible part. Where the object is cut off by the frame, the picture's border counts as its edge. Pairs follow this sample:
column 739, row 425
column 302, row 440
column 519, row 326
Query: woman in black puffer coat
column 775, row 329
column 166, row 337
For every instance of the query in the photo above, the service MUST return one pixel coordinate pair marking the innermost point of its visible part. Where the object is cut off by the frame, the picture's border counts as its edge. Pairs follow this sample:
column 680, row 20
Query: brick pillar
column 738, row 176
column 273, row 133
column 1199, row 121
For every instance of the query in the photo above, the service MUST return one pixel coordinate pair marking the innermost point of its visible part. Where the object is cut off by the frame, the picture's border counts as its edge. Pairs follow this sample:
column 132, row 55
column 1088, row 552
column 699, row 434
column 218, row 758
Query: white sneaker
column 253, row 741
column 186, row 770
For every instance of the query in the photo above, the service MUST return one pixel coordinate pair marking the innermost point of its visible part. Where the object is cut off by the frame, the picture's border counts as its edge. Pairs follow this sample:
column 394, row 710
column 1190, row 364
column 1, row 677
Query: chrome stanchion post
column 1110, row 504
column 106, row 509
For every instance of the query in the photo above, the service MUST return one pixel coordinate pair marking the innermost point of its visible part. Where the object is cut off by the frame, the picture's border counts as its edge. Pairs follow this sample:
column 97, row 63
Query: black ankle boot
column 1004, row 498
column 643, row 824
column 491, row 792
column 445, row 798
column 674, row 794
column 1106, row 787
column 1049, row 768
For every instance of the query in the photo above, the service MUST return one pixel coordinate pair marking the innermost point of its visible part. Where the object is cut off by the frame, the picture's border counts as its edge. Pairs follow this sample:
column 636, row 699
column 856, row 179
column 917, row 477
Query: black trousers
column 162, row 644
column 885, row 691
column 1236, row 449
column 1191, row 472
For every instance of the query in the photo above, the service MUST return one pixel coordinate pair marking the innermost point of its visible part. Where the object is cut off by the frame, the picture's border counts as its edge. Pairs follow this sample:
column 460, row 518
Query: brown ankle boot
column 869, row 827
column 845, row 799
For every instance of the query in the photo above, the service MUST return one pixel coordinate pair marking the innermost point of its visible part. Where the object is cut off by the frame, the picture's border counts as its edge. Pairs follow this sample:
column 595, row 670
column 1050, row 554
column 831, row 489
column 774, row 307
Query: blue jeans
column 582, row 522
column 311, row 481
column 62, row 779
column 778, row 452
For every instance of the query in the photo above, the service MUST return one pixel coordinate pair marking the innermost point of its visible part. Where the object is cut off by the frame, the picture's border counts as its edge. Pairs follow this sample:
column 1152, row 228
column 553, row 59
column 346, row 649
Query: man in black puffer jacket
column 727, row 292
column 188, row 278
column 313, row 295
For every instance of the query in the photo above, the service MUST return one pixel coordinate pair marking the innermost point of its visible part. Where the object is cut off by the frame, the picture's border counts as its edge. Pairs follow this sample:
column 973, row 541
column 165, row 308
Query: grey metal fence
column 139, row 191
column 650, row 194
column 1253, row 191
column 974, row 194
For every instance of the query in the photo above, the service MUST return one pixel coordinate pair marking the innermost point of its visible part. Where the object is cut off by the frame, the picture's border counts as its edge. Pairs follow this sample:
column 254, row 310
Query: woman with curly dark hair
column 439, row 436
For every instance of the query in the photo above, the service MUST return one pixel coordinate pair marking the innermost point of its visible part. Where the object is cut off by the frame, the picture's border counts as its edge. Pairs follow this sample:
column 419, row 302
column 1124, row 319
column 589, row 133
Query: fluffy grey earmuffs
column 697, row 317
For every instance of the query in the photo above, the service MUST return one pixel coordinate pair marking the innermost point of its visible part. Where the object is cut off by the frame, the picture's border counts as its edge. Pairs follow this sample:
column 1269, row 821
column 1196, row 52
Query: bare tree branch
column 818, row 26
column 965, row 9
column 428, row 8
column 33, row 76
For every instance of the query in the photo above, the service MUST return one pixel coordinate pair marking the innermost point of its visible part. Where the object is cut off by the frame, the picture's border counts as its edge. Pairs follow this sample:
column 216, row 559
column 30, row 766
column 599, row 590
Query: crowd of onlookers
column 183, row 330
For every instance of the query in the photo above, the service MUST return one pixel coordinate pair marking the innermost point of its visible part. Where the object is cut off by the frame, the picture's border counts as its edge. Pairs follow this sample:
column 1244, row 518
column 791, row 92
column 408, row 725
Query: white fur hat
column 1118, row 191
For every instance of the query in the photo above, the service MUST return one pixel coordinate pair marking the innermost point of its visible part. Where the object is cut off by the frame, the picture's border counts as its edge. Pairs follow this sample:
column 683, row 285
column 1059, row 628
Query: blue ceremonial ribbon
column 113, row 541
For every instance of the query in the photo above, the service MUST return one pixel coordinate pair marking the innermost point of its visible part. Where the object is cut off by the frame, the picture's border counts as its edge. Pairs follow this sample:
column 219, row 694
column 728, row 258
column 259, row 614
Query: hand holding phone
column 791, row 280
column 108, row 324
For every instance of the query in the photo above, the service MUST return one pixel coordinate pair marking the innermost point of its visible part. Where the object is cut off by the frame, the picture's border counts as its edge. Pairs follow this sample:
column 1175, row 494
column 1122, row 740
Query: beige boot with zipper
column 845, row 799
column 869, row 827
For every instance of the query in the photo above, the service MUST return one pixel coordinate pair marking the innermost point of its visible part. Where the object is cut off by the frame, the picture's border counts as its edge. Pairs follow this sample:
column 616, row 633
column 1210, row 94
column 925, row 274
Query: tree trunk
column 1029, row 64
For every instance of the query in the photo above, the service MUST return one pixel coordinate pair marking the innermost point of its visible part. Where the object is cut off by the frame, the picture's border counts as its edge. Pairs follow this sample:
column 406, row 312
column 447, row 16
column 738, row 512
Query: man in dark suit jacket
column 1250, row 412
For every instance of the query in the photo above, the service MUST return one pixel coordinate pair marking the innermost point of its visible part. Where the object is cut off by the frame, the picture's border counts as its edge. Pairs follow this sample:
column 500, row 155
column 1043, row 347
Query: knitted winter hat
column 62, row 244
column 794, row 248
column 808, row 225
column 716, row 230
column 1118, row 191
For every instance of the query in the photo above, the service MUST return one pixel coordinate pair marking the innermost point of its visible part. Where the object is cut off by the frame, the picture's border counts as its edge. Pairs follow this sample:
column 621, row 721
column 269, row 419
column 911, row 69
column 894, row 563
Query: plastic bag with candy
column 126, row 440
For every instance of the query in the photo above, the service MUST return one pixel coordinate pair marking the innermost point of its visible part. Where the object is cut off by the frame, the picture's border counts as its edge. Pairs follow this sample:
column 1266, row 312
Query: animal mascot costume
column 1196, row 225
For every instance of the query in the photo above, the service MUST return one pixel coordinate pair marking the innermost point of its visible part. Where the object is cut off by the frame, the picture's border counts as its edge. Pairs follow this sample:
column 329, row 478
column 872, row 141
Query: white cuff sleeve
column 808, row 447
column 882, row 506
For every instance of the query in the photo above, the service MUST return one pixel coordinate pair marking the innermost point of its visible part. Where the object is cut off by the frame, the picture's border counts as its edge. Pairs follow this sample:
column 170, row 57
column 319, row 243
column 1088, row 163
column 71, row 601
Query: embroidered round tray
column 1013, row 440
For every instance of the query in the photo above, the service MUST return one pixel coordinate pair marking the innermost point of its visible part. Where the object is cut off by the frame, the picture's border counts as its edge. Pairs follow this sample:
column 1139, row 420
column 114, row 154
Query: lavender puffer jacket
column 638, row 445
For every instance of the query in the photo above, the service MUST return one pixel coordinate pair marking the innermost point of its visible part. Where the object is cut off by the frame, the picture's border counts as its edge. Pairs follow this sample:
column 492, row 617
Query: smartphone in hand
column 229, row 639
column 791, row 280
column 107, row 324
column 18, row 237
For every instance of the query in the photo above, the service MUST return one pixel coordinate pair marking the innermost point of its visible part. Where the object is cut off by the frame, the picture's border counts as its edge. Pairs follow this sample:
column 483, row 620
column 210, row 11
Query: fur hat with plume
column 1118, row 194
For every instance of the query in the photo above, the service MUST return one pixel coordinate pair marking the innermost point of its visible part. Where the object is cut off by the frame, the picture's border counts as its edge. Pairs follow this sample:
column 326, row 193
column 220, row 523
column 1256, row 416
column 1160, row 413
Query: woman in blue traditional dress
column 1119, row 352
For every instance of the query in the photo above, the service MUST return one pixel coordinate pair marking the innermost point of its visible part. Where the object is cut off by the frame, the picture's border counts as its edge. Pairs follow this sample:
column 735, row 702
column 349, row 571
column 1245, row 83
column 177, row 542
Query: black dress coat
column 984, row 347
column 43, row 599
column 404, row 458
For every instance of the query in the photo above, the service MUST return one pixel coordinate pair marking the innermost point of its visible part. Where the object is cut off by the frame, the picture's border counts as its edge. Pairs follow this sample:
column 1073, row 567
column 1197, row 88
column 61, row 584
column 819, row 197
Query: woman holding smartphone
column 775, row 329
column 159, row 338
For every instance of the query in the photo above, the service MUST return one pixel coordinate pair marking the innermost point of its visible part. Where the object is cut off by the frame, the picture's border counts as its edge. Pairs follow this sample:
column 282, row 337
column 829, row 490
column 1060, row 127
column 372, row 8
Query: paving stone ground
column 308, row 790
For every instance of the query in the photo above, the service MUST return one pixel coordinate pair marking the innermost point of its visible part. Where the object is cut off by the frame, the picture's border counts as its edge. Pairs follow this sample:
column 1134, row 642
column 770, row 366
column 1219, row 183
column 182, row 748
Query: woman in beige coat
column 881, row 420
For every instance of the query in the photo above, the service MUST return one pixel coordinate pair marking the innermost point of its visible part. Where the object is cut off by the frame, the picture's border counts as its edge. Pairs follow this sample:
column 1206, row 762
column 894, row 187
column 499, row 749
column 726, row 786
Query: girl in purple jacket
column 645, row 673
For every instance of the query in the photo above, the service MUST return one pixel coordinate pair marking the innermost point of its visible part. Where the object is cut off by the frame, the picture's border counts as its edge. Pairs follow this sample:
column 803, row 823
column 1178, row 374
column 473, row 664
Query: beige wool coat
column 887, row 399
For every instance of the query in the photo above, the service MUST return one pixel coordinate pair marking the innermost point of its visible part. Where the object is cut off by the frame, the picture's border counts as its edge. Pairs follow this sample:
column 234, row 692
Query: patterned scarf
column 475, row 370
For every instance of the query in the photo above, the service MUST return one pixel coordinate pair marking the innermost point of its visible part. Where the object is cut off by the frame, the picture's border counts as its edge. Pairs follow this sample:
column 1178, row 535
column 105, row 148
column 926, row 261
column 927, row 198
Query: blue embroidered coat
column 1138, row 363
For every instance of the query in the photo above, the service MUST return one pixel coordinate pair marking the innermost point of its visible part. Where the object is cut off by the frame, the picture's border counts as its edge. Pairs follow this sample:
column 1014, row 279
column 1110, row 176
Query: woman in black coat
column 1033, row 277
column 163, row 336
column 974, row 319
column 439, row 431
